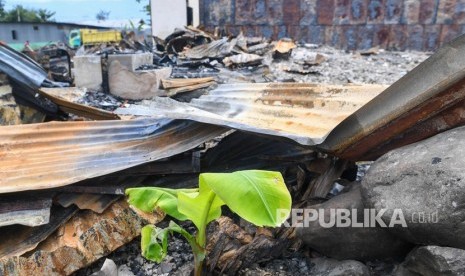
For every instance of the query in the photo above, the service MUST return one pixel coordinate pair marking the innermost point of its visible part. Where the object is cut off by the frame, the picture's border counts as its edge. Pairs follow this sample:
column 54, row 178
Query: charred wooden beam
column 85, row 238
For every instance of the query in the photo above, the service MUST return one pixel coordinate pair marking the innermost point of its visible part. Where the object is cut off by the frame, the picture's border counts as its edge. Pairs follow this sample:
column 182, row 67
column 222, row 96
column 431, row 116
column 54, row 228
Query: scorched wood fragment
column 82, row 240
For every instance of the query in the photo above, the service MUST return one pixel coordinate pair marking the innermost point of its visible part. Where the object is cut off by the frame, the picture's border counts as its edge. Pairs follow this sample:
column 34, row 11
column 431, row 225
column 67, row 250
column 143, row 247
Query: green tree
column 102, row 15
column 146, row 9
column 22, row 14
column 2, row 9
column 45, row 15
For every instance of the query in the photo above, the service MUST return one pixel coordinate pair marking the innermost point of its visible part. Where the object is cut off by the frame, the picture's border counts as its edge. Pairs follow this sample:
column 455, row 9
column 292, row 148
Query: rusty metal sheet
column 48, row 155
column 24, row 209
column 214, row 49
column 21, row 68
column 95, row 202
column 305, row 113
column 428, row 100
column 63, row 97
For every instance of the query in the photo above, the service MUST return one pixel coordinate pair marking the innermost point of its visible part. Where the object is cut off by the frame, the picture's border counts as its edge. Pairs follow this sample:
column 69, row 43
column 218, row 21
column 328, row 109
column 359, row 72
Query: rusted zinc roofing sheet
column 40, row 156
column 63, row 97
column 305, row 113
column 428, row 100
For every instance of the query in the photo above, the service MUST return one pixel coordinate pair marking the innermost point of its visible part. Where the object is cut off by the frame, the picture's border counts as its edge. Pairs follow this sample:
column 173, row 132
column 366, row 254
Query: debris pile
column 198, row 103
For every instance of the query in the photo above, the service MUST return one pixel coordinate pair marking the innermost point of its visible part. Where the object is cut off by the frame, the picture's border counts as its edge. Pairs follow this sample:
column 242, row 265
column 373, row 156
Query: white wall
column 168, row 15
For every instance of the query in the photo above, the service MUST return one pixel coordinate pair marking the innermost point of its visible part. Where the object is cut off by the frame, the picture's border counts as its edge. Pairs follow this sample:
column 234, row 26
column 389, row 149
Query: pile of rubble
column 198, row 102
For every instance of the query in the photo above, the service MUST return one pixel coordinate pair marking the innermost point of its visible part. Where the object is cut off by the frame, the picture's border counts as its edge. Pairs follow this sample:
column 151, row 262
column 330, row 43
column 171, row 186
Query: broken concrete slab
column 132, row 61
column 88, row 72
column 136, row 85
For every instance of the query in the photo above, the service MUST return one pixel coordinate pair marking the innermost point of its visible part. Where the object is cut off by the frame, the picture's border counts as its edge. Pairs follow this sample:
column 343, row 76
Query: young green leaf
column 154, row 243
column 195, row 207
column 260, row 197
column 148, row 199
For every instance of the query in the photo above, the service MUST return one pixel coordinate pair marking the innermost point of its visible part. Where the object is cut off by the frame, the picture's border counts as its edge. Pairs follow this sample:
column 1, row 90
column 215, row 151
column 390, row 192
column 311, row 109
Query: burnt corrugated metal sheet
column 95, row 202
column 41, row 156
column 63, row 98
column 305, row 113
column 428, row 100
column 21, row 68
column 25, row 210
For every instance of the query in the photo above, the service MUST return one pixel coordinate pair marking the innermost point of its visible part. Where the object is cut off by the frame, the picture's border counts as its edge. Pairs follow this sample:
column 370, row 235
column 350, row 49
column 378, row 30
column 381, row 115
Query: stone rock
column 332, row 267
column 358, row 243
column 124, row 270
column 425, row 181
column 432, row 261
column 109, row 268
column 135, row 85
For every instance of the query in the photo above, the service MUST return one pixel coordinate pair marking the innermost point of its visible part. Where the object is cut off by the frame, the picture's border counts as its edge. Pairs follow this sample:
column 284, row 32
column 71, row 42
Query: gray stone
column 359, row 243
column 9, row 116
column 332, row 267
column 432, row 261
column 425, row 181
column 109, row 268
column 124, row 270
column 166, row 267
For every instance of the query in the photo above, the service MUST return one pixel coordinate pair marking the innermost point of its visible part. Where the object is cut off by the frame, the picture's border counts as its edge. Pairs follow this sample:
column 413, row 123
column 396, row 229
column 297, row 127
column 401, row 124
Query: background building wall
column 167, row 16
column 347, row 24
column 31, row 32
column 37, row 32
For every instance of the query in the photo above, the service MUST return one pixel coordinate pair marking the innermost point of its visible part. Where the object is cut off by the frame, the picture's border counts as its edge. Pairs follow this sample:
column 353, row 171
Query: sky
column 80, row 11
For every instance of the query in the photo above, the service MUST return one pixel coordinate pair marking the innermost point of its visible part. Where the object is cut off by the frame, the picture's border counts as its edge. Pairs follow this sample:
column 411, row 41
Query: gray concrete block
column 132, row 61
column 88, row 72
column 136, row 85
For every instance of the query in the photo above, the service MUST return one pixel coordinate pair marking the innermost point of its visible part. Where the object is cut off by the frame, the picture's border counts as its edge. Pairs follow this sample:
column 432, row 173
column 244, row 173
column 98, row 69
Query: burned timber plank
column 85, row 238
